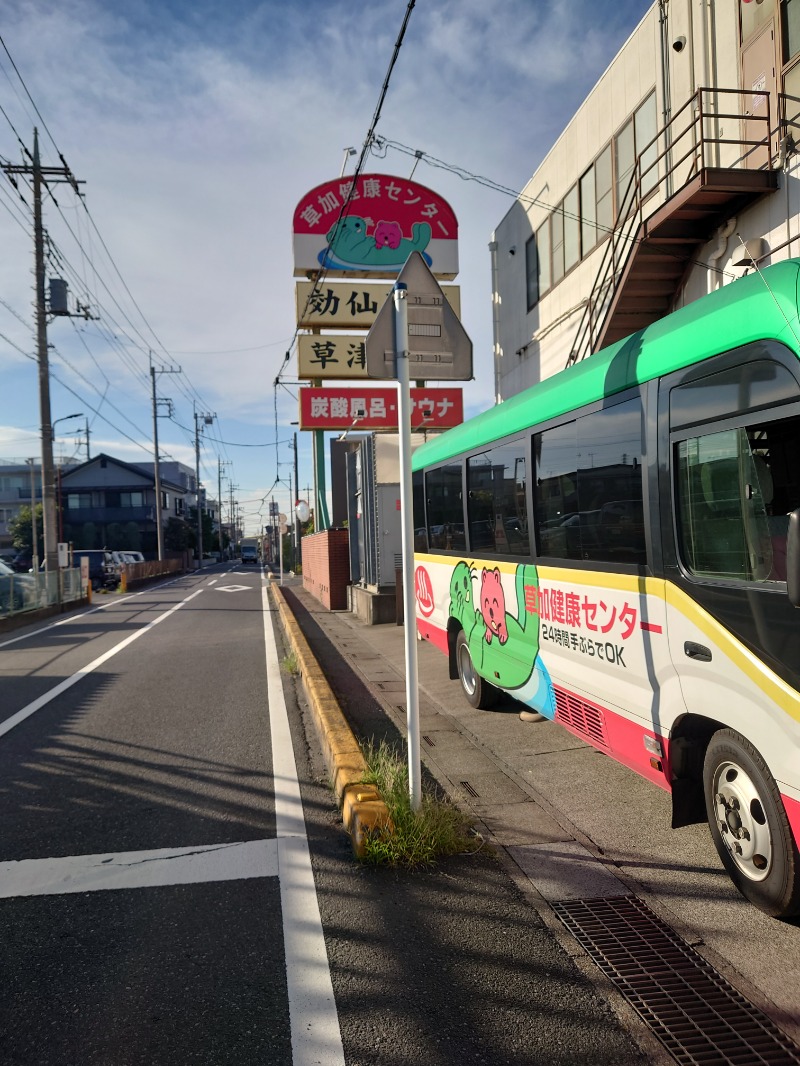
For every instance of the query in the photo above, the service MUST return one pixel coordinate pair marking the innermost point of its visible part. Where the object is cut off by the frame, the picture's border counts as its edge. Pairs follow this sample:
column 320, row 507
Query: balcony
column 685, row 183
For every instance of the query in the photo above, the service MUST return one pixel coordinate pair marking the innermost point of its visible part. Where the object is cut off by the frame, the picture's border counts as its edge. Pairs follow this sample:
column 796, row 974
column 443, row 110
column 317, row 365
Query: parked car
column 23, row 561
column 103, row 570
column 16, row 590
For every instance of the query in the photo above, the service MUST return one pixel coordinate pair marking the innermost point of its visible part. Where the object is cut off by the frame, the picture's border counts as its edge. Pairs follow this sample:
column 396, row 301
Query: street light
column 66, row 418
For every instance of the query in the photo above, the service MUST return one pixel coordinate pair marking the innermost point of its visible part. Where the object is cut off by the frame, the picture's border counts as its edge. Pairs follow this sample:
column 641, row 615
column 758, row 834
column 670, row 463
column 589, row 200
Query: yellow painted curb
column 363, row 810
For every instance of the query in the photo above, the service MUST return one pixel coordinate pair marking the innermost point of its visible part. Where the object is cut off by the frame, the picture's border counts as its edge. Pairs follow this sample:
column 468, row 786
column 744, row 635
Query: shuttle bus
column 618, row 547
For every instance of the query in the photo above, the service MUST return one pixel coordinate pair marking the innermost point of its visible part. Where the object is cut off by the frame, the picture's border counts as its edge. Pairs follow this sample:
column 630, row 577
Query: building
column 108, row 503
column 678, row 174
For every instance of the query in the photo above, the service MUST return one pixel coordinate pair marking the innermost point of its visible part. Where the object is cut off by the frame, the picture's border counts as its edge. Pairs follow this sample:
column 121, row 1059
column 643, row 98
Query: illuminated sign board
column 330, row 355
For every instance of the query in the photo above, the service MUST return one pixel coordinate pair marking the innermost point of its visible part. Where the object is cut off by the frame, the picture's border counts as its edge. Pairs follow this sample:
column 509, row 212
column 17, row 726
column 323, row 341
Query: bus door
column 730, row 431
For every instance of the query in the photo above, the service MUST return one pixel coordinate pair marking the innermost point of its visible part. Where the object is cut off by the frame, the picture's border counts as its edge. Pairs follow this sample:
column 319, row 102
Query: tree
column 178, row 536
column 21, row 530
column 208, row 528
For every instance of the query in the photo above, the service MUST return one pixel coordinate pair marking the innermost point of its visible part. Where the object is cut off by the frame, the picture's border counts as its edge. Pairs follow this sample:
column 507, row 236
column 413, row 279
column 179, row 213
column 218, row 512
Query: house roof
column 143, row 475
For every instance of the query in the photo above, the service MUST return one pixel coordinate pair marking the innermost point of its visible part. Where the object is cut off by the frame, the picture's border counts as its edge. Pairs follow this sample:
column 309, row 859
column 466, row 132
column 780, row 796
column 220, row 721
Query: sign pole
column 400, row 292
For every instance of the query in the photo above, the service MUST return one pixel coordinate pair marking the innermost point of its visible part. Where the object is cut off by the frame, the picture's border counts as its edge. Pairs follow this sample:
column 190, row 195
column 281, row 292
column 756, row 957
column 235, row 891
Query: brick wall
column 326, row 567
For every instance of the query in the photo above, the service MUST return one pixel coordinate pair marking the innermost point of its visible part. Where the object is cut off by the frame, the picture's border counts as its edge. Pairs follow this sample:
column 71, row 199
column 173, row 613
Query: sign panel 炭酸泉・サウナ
column 368, row 226
column 375, row 408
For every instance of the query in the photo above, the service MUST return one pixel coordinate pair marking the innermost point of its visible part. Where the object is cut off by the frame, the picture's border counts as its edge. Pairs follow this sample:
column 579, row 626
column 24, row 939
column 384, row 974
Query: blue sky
column 197, row 127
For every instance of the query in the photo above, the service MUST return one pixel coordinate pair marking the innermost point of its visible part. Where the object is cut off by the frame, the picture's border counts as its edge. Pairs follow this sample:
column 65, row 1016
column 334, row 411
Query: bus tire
column 749, row 826
column 478, row 691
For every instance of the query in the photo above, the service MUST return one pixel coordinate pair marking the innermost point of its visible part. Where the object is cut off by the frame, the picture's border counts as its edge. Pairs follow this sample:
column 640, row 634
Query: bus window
column 445, row 508
column 735, row 490
column 498, row 520
column 589, row 487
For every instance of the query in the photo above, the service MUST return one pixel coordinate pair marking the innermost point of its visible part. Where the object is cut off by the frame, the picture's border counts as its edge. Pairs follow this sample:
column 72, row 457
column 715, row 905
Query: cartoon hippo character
column 509, row 661
column 493, row 606
column 350, row 247
column 388, row 234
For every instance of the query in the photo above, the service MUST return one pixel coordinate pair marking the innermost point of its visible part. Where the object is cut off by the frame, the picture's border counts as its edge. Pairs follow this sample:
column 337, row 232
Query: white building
column 678, row 174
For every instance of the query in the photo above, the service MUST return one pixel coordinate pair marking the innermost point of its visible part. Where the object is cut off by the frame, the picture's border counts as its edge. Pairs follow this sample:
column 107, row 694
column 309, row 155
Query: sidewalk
column 484, row 775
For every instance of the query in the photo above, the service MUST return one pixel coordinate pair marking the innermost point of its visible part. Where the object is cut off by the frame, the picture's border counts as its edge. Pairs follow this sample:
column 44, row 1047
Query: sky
column 195, row 127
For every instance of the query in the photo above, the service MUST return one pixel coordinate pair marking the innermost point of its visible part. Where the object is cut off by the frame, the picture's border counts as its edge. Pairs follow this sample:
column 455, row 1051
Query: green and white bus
column 618, row 547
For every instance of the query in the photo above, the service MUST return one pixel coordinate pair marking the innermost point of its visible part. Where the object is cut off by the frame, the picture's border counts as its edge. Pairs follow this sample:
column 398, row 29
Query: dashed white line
column 47, row 697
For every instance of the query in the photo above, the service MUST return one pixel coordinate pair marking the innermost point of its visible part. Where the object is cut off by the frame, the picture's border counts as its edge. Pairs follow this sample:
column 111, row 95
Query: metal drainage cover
column 691, row 1008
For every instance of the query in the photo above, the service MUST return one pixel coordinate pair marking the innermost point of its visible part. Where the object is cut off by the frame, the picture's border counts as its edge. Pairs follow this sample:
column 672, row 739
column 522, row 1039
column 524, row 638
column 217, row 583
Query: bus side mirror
column 793, row 559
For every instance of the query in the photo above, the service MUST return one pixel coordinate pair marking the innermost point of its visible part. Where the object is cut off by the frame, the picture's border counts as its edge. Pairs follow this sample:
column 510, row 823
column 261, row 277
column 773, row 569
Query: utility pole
column 41, row 176
column 88, row 456
column 220, row 464
column 207, row 419
column 157, row 464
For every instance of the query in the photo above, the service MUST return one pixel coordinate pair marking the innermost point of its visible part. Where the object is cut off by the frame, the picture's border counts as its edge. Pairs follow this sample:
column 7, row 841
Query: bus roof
column 756, row 307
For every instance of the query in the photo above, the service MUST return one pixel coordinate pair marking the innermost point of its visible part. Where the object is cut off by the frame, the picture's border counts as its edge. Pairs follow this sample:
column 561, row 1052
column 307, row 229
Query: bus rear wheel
column 749, row 826
column 479, row 692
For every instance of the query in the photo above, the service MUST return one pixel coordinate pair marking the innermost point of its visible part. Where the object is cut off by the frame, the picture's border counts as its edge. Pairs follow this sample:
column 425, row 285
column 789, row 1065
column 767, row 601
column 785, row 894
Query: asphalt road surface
column 176, row 886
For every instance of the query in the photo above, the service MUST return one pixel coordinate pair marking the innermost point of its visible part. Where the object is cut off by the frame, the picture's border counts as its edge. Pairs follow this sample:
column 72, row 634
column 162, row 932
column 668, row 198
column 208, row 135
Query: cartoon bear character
column 388, row 234
column 493, row 606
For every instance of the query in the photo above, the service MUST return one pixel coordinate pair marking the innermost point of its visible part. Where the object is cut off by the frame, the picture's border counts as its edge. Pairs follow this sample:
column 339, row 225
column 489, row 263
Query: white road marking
column 139, row 869
column 43, row 700
column 233, row 588
column 313, row 1018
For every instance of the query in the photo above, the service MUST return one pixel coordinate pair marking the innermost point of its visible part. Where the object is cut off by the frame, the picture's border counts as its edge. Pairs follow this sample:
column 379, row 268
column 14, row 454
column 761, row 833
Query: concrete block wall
column 326, row 567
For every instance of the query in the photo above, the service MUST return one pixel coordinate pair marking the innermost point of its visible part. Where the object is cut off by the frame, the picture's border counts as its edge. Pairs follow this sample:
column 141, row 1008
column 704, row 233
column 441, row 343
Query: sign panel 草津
column 330, row 355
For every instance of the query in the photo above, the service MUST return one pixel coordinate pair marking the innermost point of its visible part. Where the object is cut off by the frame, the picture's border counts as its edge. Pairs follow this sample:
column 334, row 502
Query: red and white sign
column 386, row 219
column 423, row 591
column 376, row 408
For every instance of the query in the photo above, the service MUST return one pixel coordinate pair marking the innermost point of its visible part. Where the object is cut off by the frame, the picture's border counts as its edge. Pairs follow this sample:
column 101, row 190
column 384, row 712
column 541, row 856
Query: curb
column 363, row 810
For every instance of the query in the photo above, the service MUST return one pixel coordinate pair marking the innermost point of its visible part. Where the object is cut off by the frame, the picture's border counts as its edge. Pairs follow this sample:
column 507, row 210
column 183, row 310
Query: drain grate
column 429, row 740
column 468, row 788
column 691, row 1008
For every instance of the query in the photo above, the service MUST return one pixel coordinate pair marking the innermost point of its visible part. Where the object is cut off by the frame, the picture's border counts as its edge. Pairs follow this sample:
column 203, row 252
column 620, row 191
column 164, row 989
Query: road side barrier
column 364, row 811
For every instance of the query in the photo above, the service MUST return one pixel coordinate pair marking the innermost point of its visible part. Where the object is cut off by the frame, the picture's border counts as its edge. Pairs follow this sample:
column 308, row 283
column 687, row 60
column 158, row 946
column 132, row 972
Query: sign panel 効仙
column 369, row 225
column 375, row 408
column 343, row 306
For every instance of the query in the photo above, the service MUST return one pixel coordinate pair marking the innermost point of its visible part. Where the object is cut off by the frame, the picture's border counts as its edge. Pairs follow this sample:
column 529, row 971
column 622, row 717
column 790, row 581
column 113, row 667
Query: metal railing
column 691, row 142
column 22, row 593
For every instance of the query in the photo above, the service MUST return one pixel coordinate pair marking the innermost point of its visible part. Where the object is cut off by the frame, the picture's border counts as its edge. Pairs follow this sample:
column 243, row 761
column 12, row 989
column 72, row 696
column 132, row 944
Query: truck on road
column 248, row 550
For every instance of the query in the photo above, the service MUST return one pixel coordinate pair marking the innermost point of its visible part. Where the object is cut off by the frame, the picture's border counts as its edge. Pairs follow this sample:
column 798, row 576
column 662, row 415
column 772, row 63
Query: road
column 176, row 886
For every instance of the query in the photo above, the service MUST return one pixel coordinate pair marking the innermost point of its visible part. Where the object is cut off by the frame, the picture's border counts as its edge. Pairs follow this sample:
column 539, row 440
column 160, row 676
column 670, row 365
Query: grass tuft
column 420, row 837
column 289, row 664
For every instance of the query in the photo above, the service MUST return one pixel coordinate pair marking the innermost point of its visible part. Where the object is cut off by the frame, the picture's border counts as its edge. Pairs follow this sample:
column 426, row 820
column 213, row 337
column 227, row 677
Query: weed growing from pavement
column 289, row 664
column 420, row 837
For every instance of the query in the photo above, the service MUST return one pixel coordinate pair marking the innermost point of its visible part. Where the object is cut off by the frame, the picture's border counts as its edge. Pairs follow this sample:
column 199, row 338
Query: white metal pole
column 402, row 373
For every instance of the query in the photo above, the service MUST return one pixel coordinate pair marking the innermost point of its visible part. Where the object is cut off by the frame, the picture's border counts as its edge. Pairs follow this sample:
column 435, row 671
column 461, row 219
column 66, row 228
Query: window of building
column 445, row 508
column 78, row 501
column 588, row 494
column 131, row 499
column 632, row 140
column 165, row 500
column 496, row 501
column 572, row 229
column 604, row 183
column 790, row 28
column 543, row 257
column 588, row 186
column 532, row 271
column 557, row 234
column 180, row 505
